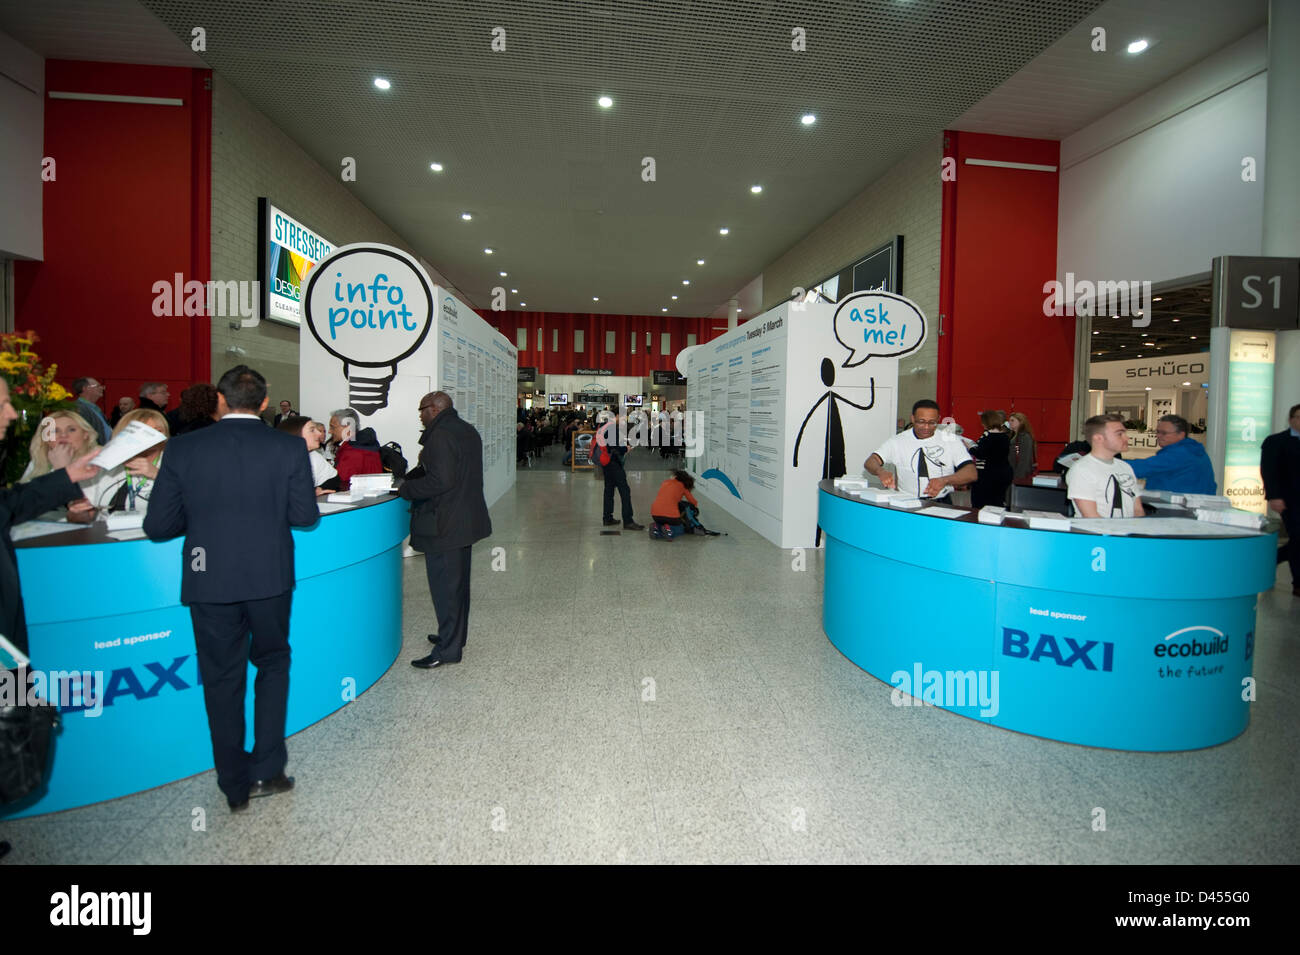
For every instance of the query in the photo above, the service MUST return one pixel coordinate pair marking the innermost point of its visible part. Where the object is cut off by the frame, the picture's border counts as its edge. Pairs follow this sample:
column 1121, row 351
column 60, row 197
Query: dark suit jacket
column 1279, row 466
column 234, row 490
column 448, row 510
column 22, row 502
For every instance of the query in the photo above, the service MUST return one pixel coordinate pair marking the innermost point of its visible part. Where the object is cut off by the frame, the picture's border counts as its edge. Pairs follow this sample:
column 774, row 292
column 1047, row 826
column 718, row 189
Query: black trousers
column 222, row 638
column 616, row 477
column 448, row 573
column 1291, row 520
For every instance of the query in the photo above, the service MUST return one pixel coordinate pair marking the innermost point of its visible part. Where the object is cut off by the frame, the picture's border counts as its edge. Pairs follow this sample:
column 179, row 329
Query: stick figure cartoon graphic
column 833, row 455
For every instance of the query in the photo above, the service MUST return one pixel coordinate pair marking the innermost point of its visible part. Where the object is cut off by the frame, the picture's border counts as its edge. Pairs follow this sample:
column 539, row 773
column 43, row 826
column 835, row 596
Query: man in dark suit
column 235, row 490
column 1279, row 466
column 448, row 514
column 286, row 411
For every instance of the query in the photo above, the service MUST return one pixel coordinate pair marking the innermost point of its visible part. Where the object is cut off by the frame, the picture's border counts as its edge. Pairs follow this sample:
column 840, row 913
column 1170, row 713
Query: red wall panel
column 998, row 249
column 130, row 206
column 548, row 361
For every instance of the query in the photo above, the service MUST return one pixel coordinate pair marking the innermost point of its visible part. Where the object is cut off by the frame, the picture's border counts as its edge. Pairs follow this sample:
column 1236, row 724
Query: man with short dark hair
column 88, row 392
column 1181, row 464
column 1279, row 466
column 286, row 411
column 448, row 515
column 235, row 490
column 930, row 462
column 1099, row 483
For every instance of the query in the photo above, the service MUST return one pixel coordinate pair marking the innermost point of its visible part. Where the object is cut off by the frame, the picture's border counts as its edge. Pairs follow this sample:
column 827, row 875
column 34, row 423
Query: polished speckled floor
column 626, row 700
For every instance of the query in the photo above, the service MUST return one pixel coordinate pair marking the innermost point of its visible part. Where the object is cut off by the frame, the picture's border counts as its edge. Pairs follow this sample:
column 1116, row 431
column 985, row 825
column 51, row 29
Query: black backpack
column 391, row 457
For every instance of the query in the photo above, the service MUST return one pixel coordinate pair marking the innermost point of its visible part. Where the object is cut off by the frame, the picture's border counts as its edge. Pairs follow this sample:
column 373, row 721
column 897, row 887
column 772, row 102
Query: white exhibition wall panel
column 442, row 344
column 776, row 410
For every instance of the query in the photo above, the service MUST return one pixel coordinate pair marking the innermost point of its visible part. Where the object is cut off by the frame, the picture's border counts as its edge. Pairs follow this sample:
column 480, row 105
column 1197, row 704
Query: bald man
column 448, row 515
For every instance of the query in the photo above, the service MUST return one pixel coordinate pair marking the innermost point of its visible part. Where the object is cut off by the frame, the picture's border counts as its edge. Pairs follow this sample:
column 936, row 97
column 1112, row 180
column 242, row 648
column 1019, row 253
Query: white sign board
column 379, row 336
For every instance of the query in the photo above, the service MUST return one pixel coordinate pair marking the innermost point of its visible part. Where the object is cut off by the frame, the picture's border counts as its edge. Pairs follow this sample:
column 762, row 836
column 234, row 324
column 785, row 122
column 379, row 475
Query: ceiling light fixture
column 522, row 304
column 605, row 102
column 502, row 274
column 1137, row 46
column 1156, row 299
column 436, row 166
column 595, row 298
column 466, row 216
column 381, row 83
column 723, row 231
column 755, row 189
column 808, row 119
column 487, row 251
column 1193, row 338
column 686, row 281
column 514, row 291
column 674, row 298
column 663, row 309
column 1186, row 383
column 699, row 261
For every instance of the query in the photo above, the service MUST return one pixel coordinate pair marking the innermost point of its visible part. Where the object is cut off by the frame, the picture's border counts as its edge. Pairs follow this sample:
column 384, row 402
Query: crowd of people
column 337, row 450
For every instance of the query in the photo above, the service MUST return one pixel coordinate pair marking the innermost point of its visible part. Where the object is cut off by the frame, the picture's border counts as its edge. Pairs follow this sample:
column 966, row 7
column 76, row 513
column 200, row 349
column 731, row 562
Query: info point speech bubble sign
column 369, row 305
column 878, row 325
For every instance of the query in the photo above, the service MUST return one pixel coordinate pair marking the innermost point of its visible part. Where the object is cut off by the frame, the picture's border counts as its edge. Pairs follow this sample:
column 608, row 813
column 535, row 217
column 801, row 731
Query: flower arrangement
column 34, row 393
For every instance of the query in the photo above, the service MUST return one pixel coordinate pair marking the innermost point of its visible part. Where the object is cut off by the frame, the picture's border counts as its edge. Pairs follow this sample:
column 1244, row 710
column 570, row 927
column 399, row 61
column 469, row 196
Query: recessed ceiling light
column 808, row 119
column 755, row 189
column 436, row 166
column 605, row 102
column 723, row 231
column 1175, row 320
column 1193, row 338
column 466, row 216
column 1148, row 386
column 487, row 251
column 1185, row 383
column 1123, row 346
column 522, row 304
column 502, row 274
column 514, row 291
column 382, row 83
column 1137, row 46
column 1156, row 299
column 686, row 281
column 663, row 309
column 674, row 298
column 595, row 298
column 699, row 261
column 1144, row 334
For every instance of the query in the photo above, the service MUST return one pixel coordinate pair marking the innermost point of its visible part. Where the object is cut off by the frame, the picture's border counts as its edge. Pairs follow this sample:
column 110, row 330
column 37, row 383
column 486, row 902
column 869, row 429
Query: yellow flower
column 56, row 392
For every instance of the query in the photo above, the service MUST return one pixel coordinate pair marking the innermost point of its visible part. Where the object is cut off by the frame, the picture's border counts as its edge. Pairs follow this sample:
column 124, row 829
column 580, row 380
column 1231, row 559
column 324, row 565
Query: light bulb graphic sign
column 370, row 306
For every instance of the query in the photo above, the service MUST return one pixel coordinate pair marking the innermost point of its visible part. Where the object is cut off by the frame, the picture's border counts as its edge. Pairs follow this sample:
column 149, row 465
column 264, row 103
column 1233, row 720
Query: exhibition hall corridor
column 629, row 700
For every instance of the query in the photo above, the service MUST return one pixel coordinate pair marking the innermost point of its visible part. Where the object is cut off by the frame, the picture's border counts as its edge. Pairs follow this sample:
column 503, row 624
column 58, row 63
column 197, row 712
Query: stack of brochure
column 1231, row 516
column 992, row 515
column 1045, row 520
column 906, row 503
column 1203, row 500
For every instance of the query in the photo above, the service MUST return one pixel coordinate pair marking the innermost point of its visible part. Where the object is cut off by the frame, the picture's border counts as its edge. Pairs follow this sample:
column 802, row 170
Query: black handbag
column 26, row 738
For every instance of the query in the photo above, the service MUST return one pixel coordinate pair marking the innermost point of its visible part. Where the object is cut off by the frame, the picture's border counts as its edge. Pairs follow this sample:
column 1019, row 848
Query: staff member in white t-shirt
column 322, row 472
column 1100, row 484
column 930, row 463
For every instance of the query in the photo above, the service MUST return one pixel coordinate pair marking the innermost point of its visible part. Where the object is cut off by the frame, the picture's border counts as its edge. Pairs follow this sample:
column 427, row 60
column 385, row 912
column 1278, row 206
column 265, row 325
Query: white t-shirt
column 321, row 470
column 942, row 454
column 1111, row 485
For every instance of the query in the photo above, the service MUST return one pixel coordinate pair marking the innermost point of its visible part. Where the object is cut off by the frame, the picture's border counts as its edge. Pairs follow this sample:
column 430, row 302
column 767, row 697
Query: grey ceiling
column 712, row 91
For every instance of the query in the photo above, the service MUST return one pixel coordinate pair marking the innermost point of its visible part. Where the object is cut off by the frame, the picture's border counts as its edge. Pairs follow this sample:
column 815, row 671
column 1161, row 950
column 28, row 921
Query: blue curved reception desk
column 1135, row 643
column 109, row 613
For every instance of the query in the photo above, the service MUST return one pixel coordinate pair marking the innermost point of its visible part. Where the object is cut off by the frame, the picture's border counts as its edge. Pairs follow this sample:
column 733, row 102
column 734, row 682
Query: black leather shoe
column 610, row 522
column 432, row 661
column 269, row 787
column 434, row 639
column 238, row 806
column 633, row 526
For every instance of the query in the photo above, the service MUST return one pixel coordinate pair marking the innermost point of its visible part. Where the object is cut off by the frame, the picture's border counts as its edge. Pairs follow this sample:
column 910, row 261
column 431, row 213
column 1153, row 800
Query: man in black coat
column 235, row 490
column 22, row 502
column 1279, row 466
column 448, row 515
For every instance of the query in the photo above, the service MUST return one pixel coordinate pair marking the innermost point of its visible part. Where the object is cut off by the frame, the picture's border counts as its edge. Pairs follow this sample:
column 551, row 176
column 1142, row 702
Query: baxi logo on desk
column 1015, row 643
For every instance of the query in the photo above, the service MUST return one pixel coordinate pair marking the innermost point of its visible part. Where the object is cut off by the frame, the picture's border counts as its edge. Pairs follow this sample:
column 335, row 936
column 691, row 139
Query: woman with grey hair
column 356, row 449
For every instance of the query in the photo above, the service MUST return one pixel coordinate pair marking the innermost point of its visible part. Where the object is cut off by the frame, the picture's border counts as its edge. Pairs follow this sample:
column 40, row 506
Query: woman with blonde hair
column 1023, row 447
column 61, row 437
column 127, row 486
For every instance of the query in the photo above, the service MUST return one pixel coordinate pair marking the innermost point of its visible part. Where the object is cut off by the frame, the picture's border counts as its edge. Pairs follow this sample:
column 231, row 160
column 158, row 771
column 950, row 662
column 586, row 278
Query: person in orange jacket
column 664, row 511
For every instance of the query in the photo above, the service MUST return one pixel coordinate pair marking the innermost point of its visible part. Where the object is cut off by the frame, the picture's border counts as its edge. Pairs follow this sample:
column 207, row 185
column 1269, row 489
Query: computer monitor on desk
column 1027, row 497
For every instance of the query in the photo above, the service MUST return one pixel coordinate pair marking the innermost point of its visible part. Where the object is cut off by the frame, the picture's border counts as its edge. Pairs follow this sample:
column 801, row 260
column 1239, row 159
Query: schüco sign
column 1169, row 369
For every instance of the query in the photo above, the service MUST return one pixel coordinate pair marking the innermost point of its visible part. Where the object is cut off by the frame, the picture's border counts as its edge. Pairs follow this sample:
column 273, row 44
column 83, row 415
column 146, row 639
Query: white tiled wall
column 252, row 157
column 906, row 201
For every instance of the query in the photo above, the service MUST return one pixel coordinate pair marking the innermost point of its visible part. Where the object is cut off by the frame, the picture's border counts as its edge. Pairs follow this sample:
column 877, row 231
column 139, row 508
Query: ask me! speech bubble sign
column 878, row 325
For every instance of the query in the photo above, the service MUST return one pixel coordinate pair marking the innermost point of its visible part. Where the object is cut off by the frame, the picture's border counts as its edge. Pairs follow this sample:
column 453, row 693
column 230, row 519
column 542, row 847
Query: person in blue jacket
column 1181, row 465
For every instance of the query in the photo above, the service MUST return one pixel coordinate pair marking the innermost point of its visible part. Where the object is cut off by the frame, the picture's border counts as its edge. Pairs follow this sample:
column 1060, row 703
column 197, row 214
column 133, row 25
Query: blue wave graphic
column 718, row 475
